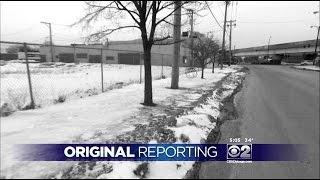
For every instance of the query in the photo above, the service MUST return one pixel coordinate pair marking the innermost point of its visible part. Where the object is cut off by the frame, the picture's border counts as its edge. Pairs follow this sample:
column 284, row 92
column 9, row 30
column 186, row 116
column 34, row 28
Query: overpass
column 300, row 47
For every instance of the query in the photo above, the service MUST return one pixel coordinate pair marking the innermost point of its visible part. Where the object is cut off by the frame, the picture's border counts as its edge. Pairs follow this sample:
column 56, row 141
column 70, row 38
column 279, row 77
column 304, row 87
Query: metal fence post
column 140, row 69
column 214, row 60
column 102, row 89
column 74, row 54
column 32, row 105
column 162, row 67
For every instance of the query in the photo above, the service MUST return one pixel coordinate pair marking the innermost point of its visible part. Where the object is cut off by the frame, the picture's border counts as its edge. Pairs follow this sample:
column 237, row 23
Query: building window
column 109, row 58
column 82, row 55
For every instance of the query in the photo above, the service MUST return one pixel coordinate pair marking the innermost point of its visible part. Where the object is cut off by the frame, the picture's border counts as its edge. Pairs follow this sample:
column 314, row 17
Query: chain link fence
column 33, row 78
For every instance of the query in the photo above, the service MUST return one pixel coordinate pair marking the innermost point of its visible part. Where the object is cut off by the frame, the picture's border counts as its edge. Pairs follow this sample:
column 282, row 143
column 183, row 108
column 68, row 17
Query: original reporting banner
column 160, row 152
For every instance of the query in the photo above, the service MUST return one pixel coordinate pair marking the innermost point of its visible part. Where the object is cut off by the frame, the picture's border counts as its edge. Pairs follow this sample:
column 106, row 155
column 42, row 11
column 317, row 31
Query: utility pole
column 176, row 48
column 51, row 47
column 232, row 23
column 224, row 32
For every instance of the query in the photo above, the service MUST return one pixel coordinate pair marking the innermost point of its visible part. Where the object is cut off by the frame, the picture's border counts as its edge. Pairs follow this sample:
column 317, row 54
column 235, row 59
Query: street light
column 51, row 47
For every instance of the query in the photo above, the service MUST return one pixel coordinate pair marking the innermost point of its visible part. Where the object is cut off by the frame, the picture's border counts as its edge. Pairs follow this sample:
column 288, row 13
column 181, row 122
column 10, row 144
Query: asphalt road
column 277, row 104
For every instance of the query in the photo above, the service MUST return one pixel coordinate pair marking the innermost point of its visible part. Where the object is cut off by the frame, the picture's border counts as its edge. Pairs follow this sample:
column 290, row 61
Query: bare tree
column 13, row 49
column 146, row 16
column 205, row 49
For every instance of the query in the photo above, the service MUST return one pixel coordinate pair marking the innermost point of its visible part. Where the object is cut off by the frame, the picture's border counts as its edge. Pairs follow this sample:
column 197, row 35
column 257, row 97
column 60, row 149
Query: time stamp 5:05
column 240, row 140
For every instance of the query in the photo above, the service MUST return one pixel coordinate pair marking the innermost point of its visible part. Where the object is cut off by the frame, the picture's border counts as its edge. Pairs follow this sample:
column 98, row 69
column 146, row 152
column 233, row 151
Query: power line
column 213, row 15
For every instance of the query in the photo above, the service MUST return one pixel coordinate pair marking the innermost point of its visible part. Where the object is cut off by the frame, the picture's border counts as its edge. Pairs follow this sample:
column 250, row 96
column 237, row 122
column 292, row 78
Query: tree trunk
column 147, row 78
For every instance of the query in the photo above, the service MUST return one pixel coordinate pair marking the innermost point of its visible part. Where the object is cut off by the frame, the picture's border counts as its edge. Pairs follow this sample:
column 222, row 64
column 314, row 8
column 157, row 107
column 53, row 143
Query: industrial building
column 114, row 52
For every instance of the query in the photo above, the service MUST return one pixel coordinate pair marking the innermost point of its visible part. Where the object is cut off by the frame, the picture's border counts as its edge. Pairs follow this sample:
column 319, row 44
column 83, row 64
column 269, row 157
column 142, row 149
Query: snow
column 169, row 170
column 53, row 80
column 196, row 125
column 308, row 67
column 120, row 171
column 98, row 118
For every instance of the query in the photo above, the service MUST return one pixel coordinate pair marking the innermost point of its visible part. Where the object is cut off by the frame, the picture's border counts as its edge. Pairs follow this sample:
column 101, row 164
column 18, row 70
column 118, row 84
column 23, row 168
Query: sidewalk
column 114, row 116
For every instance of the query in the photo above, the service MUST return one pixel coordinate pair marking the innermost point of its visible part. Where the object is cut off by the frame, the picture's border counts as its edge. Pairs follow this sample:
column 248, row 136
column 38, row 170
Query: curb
column 305, row 69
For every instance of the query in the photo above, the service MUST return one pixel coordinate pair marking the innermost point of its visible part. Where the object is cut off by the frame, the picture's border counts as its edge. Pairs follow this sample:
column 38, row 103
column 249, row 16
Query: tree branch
column 128, row 11
column 165, row 6
column 168, row 43
column 106, row 32
column 90, row 16
column 161, row 20
column 161, row 39
column 137, row 5
column 153, row 24
column 149, row 10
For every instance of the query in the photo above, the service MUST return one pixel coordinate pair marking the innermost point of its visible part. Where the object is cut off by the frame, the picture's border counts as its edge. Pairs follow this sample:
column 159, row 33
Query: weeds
column 17, row 100
column 6, row 110
column 61, row 99
column 142, row 170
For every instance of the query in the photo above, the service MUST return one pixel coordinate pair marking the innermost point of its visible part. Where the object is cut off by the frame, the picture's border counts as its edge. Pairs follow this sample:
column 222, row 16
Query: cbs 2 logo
column 239, row 151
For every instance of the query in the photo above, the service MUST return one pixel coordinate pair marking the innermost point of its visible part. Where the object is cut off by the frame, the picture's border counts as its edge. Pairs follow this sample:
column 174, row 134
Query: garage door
column 66, row 57
column 129, row 58
column 94, row 59
column 43, row 58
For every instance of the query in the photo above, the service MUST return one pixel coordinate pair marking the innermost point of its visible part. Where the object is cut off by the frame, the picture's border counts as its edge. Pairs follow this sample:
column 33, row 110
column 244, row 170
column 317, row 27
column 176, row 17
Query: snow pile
column 308, row 67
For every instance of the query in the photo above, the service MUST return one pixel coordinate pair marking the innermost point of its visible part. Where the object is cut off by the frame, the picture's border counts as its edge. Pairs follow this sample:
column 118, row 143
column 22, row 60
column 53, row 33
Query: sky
column 256, row 21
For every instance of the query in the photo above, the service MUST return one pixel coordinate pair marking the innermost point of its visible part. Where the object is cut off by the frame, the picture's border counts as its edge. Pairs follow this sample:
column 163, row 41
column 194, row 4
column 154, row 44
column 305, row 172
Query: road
column 277, row 104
